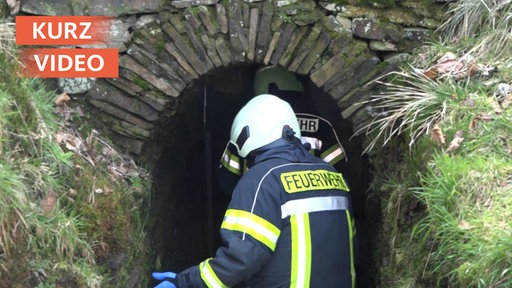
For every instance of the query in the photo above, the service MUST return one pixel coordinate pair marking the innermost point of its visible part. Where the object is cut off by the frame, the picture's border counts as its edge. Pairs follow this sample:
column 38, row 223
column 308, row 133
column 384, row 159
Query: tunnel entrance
column 187, row 202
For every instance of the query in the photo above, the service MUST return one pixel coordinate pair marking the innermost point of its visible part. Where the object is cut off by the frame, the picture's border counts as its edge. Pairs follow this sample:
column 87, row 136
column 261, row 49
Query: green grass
column 56, row 229
column 447, row 214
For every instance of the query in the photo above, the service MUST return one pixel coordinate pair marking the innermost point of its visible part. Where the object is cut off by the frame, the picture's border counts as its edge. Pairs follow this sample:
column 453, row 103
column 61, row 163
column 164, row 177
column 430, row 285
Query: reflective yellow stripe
column 333, row 155
column 351, row 241
column 209, row 277
column 301, row 251
column 257, row 227
column 231, row 162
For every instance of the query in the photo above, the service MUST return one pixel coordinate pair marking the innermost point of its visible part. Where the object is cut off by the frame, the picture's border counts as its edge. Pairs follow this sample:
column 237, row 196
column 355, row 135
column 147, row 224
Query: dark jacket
column 289, row 224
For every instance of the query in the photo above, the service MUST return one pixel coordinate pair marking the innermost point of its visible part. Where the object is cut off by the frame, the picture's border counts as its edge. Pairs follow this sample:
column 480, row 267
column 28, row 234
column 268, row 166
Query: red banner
column 70, row 63
column 62, row 30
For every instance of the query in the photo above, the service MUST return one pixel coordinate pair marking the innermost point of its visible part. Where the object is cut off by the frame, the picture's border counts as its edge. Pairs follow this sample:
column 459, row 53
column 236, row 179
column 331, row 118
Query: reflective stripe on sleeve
column 249, row 223
column 333, row 155
column 301, row 251
column 315, row 204
column 209, row 277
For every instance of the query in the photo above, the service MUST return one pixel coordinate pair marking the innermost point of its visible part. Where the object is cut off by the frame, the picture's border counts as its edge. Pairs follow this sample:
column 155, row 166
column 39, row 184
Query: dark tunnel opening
column 187, row 202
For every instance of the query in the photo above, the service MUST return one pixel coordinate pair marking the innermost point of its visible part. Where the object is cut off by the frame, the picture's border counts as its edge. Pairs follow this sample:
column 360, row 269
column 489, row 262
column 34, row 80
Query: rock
column 75, row 85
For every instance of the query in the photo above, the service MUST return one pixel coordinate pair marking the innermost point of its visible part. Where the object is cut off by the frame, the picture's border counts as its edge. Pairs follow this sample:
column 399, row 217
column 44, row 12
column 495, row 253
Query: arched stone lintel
column 166, row 56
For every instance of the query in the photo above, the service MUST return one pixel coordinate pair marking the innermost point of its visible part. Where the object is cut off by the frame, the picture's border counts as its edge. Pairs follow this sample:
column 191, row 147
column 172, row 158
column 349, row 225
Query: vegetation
column 441, row 144
column 70, row 206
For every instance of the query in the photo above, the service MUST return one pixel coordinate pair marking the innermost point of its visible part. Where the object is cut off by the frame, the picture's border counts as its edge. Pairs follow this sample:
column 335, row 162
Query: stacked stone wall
column 165, row 46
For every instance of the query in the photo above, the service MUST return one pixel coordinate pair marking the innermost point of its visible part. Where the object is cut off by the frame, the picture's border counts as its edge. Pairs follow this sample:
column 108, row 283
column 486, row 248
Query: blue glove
column 168, row 279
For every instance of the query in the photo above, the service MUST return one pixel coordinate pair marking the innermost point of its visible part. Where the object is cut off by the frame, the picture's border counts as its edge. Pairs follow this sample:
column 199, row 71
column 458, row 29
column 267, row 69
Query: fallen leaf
column 449, row 66
column 62, row 99
column 48, row 202
column 507, row 101
column 431, row 73
column 473, row 123
column 455, row 143
column 59, row 137
column 437, row 135
column 495, row 105
column 464, row 225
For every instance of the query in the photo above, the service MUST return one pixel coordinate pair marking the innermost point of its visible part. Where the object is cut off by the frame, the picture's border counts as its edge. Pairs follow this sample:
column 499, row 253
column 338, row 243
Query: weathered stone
column 343, row 41
column 124, row 85
column 177, row 23
column 137, row 91
column 345, row 22
column 144, row 20
column 271, row 47
column 343, row 81
column 173, row 50
column 363, row 73
column 75, row 85
column 417, row 34
column 396, row 59
column 346, row 113
column 184, row 49
column 120, row 113
column 373, row 29
column 89, row 7
column 205, row 16
column 253, row 32
column 156, row 66
column 282, row 3
column 129, row 63
column 131, row 145
column 236, row 33
column 151, row 38
column 246, row 14
column 329, row 6
column 328, row 70
column 108, row 93
column 292, row 44
column 304, row 50
column 212, row 52
column 369, row 69
column 191, row 3
column 286, row 33
column 377, row 45
column 130, row 130
column 332, row 24
column 314, row 54
column 264, row 32
column 221, row 18
column 191, row 19
column 222, row 49
column 203, row 57
column 119, row 35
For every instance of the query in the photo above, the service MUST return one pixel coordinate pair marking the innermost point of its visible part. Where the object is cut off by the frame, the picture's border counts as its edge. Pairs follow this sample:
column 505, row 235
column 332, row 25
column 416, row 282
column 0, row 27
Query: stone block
column 129, row 63
column 206, row 17
column 184, row 49
column 253, row 33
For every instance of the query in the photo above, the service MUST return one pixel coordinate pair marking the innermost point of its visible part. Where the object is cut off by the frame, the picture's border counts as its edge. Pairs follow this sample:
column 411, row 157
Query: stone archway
column 175, row 46
column 154, row 109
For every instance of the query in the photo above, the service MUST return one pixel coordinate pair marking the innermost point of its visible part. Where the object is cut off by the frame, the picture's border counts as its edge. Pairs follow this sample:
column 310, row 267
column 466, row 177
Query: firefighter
column 316, row 131
column 289, row 220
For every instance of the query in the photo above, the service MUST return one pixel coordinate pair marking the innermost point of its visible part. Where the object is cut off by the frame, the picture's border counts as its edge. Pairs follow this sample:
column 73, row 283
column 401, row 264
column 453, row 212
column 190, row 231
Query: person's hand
column 168, row 279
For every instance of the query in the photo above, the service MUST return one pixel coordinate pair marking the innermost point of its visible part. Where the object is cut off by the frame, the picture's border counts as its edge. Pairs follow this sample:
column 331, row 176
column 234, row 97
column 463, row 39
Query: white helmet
column 260, row 122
